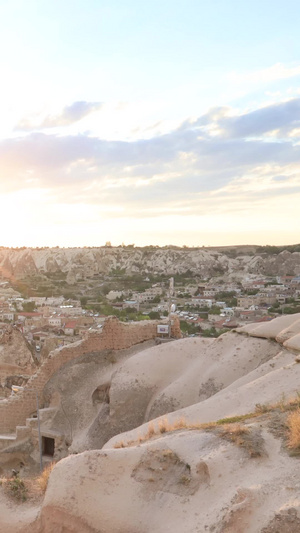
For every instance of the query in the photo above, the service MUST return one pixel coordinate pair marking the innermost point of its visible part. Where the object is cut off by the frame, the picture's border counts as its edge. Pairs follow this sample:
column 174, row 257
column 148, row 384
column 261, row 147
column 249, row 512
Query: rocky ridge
column 78, row 263
column 227, row 479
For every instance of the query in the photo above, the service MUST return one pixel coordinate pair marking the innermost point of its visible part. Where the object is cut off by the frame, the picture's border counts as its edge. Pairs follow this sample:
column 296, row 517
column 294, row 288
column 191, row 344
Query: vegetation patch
column 251, row 440
column 15, row 488
column 27, row 489
column 42, row 480
column 293, row 424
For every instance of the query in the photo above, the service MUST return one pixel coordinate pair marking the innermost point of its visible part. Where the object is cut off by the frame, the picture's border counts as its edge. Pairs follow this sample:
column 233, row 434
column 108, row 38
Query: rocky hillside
column 17, row 362
column 212, row 438
column 81, row 263
column 234, row 474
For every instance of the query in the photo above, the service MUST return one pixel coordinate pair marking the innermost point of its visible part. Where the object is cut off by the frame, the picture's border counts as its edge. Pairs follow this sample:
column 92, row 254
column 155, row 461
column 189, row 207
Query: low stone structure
column 115, row 335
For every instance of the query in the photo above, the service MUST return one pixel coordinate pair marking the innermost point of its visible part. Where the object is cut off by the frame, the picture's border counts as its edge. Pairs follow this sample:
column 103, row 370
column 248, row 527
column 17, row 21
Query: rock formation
column 80, row 263
column 175, row 470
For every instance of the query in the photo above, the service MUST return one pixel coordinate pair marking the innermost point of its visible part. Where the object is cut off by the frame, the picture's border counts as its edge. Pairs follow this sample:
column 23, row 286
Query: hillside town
column 206, row 309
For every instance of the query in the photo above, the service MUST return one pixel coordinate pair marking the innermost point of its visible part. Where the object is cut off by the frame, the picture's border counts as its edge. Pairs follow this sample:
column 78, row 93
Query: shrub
column 293, row 423
column 43, row 479
column 261, row 408
column 150, row 431
column 163, row 425
column 16, row 488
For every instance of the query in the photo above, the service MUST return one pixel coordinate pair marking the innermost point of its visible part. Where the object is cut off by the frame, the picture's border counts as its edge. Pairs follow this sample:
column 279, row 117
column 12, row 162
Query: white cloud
column 264, row 76
column 189, row 172
column 67, row 116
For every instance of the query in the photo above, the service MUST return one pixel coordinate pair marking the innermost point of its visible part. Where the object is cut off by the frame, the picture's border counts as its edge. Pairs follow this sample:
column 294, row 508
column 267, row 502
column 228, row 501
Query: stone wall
column 12, row 374
column 9, row 370
column 114, row 336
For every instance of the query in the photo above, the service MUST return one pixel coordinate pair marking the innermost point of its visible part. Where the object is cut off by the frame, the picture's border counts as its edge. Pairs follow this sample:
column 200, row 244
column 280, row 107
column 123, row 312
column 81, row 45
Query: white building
column 202, row 302
column 55, row 321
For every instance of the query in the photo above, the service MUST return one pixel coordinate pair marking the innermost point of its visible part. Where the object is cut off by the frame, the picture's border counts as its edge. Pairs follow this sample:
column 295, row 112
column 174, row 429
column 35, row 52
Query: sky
column 155, row 122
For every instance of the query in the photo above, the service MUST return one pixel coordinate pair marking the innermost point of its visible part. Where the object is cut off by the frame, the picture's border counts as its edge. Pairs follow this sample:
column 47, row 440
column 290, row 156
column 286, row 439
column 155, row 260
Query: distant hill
column 83, row 263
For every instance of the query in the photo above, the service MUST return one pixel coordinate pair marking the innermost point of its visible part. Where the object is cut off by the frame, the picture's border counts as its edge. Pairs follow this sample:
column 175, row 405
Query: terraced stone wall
column 114, row 336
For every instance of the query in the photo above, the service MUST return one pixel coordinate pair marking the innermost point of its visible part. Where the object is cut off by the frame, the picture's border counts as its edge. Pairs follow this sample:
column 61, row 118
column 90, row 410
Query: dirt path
column 14, row 517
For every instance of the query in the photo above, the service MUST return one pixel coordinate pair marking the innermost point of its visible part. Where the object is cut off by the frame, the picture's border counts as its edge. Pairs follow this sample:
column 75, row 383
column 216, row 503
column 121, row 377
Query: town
column 205, row 308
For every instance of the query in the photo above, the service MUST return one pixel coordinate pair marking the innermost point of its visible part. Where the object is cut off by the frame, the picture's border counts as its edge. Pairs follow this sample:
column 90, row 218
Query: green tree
column 154, row 315
column 156, row 299
column 214, row 310
column 190, row 329
column 83, row 301
column 213, row 332
column 28, row 307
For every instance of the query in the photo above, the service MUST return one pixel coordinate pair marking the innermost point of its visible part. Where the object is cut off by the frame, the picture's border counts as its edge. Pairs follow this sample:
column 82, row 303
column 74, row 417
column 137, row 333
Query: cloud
column 281, row 178
column 282, row 116
column 69, row 115
column 267, row 75
column 189, row 169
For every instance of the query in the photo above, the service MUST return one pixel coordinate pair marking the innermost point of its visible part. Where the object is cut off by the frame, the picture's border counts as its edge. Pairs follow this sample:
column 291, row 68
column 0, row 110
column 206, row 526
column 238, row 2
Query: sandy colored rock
column 158, row 486
column 150, row 479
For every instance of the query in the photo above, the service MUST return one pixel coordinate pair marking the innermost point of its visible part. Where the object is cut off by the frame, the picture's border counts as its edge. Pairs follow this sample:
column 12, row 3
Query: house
column 246, row 301
column 202, row 302
column 55, row 321
column 162, row 306
column 28, row 317
column 227, row 311
column 131, row 303
column 7, row 315
column 30, row 320
column 207, row 293
column 71, row 310
column 70, row 327
column 266, row 298
column 248, row 315
column 148, row 294
column 281, row 298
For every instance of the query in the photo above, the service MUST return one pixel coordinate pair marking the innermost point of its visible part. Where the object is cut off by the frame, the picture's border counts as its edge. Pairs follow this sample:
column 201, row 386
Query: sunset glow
column 150, row 123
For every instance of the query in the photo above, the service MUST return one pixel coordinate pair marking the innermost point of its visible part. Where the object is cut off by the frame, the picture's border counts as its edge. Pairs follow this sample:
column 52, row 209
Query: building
column 70, row 328
column 134, row 304
column 201, row 302
column 55, row 321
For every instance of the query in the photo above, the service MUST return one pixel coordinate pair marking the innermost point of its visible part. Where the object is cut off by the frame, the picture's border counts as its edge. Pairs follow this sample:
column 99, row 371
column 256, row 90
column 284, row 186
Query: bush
column 16, row 488
column 190, row 329
column 43, row 479
column 213, row 332
column 293, row 423
column 28, row 307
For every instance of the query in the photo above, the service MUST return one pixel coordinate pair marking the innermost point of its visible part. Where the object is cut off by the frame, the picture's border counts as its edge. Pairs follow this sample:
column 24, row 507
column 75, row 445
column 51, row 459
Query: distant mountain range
column 81, row 263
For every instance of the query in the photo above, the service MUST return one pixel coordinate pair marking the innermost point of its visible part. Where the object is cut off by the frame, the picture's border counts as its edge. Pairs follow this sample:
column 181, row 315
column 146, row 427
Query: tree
column 83, row 301
column 214, row 310
column 29, row 307
column 156, row 299
column 190, row 329
column 154, row 315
